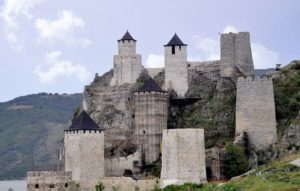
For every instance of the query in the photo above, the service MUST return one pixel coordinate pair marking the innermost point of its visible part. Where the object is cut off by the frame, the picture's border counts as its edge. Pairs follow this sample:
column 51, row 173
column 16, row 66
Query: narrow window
column 36, row 186
column 173, row 49
column 66, row 185
column 51, row 185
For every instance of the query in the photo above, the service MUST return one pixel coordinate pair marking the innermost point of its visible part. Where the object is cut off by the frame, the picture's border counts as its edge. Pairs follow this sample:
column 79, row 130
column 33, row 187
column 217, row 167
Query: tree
column 236, row 162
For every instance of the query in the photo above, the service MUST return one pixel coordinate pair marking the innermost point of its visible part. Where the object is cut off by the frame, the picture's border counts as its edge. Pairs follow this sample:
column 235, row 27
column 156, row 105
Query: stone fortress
column 121, row 130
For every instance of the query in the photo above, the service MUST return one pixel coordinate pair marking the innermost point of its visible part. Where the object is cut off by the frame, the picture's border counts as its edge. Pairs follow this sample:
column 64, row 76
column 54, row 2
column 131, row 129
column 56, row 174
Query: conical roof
column 127, row 36
column 175, row 41
column 150, row 85
column 84, row 122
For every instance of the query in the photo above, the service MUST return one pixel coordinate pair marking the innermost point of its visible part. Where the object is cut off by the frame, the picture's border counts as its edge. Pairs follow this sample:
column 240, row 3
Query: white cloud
column 263, row 57
column 229, row 29
column 11, row 12
column 57, row 67
column 209, row 48
column 155, row 61
column 64, row 29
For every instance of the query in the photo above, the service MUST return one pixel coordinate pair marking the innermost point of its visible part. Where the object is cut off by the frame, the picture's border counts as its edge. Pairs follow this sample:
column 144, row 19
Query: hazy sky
column 58, row 45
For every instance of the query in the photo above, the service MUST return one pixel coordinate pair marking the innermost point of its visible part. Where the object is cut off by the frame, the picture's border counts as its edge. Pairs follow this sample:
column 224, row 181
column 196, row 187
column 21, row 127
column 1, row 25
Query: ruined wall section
column 176, row 69
column 255, row 111
column 183, row 157
column 84, row 155
column 129, row 184
column 236, row 55
column 151, row 115
column 119, row 165
column 49, row 180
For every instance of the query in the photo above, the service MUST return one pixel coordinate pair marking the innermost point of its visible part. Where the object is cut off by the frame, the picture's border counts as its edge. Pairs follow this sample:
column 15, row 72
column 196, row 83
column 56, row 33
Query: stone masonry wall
column 151, row 115
column 176, row 72
column 84, row 155
column 183, row 157
column 236, row 55
column 128, row 184
column 255, row 111
column 117, row 166
column 48, row 180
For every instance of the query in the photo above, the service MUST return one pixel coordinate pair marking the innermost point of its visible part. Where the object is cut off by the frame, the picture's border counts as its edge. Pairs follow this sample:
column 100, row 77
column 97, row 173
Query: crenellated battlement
column 254, row 79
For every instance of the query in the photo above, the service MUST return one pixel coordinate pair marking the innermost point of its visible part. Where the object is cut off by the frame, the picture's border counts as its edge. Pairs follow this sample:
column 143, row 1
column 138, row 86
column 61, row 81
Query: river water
column 16, row 185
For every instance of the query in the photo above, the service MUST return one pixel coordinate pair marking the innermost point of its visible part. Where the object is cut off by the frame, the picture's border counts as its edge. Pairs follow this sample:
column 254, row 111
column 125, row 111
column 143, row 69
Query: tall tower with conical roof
column 151, row 114
column 176, row 66
column 84, row 151
column 127, row 64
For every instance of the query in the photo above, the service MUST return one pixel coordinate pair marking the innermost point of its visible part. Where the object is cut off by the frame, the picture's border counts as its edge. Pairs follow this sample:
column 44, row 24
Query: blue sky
column 58, row 45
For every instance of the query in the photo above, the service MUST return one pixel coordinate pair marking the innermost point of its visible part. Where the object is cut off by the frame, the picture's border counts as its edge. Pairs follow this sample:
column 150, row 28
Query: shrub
column 236, row 162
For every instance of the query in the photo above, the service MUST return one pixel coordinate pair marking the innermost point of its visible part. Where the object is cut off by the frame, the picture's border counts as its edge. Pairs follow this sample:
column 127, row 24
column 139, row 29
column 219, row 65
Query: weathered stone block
column 183, row 157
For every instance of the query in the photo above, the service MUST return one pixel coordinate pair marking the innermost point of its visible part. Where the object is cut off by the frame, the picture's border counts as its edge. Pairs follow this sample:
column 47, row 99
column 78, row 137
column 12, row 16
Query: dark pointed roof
column 84, row 122
column 127, row 36
column 175, row 41
column 150, row 85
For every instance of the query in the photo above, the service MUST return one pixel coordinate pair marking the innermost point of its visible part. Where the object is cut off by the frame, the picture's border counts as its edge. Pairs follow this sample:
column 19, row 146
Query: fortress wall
column 128, row 184
column 44, row 180
column 84, row 155
column 183, row 157
column 255, row 111
column 117, row 166
column 151, row 115
column 236, row 55
column 176, row 72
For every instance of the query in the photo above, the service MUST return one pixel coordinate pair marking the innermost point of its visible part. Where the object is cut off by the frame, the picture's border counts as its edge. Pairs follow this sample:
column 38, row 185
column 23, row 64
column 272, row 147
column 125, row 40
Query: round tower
column 84, row 150
column 151, row 111
column 176, row 66
column 127, row 64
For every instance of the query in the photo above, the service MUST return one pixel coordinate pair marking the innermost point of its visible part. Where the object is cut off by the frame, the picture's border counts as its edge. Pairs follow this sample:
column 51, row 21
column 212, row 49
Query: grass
column 275, row 176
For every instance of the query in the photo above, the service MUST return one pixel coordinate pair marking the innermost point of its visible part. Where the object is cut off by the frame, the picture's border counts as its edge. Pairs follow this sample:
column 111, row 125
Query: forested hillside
column 31, row 130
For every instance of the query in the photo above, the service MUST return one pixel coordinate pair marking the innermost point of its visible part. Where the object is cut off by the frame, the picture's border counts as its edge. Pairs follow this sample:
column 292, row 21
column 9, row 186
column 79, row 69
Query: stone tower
column 183, row 157
column 151, row 113
column 236, row 55
column 255, row 111
column 176, row 66
column 84, row 151
column 127, row 64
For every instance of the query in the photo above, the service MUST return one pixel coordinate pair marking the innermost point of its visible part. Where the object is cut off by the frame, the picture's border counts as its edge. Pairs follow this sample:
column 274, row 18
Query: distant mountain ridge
column 31, row 130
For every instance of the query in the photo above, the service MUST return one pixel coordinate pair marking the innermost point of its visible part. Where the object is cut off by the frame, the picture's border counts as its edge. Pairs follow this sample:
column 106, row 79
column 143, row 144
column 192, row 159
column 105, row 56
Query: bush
column 236, row 162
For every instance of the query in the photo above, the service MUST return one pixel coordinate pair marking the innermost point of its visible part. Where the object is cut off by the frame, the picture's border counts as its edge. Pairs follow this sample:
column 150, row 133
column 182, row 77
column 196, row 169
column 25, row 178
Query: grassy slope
column 25, row 123
column 276, row 176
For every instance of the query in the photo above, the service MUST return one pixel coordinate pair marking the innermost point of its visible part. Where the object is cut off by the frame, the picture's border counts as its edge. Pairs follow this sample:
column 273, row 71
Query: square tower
column 176, row 66
column 236, row 55
column 127, row 64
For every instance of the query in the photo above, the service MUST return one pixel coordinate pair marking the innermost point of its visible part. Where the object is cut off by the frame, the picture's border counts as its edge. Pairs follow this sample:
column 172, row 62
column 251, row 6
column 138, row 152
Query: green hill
column 31, row 130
